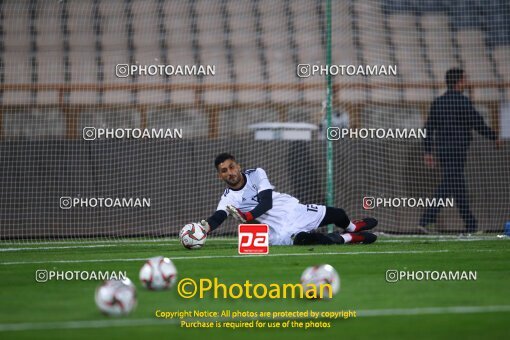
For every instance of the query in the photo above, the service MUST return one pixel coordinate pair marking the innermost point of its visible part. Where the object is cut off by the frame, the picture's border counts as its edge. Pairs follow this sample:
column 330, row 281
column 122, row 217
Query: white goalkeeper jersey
column 284, row 218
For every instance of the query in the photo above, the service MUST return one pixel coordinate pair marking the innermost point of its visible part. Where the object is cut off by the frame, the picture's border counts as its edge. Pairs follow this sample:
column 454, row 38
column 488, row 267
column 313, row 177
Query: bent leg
column 304, row 238
column 462, row 202
column 340, row 219
column 444, row 189
column 335, row 216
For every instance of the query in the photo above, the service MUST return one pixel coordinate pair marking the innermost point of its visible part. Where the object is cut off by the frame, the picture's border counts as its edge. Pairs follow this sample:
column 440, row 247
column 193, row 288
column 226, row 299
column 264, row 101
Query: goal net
column 112, row 112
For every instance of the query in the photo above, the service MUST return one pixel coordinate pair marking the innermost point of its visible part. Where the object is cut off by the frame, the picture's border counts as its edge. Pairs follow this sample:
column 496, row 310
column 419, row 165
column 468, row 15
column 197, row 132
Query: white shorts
column 304, row 218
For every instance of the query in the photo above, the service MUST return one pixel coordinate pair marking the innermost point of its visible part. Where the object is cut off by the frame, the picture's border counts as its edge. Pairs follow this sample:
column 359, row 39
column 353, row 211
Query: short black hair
column 453, row 76
column 222, row 157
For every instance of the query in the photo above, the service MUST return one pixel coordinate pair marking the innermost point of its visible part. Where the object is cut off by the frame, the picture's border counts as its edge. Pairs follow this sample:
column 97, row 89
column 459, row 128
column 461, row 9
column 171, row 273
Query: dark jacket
column 451, row 119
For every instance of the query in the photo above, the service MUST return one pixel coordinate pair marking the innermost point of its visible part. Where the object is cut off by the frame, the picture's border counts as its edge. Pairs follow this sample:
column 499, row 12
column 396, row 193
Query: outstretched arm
column 265, row 198
column 477, row 122
column 214, row 221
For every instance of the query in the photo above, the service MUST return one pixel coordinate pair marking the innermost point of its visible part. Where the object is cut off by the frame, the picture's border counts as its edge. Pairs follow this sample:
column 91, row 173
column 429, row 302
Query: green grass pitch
column 403, row 310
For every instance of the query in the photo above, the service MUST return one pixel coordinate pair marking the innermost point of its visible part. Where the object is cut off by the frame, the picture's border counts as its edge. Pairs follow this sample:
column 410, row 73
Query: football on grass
column 320, row 275
column 193, row 236
column 116, row 297
column 158, row 273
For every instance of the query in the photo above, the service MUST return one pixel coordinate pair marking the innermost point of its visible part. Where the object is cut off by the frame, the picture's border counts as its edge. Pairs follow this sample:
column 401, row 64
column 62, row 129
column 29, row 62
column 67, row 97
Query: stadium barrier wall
column 173, row 174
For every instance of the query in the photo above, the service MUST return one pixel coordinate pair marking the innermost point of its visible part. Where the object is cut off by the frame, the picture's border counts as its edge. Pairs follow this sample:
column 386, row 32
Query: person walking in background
column 451, row 119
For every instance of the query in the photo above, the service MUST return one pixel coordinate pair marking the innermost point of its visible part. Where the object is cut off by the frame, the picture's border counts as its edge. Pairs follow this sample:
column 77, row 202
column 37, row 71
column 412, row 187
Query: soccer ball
column 193, row 236
column 116, row 297
column 158, row 273
column 318, row 275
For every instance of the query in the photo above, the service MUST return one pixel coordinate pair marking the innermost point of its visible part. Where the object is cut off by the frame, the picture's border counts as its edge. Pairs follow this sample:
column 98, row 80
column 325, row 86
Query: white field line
column 382, row 236
column 204, row 257
column 471, row 239
column 253, row 256
column 175, row 242
column 107, row 323
column 435, row 310
column 107, row 241
column 69, row 247
column 160, row 244
column 166, row 244
column 439, row 236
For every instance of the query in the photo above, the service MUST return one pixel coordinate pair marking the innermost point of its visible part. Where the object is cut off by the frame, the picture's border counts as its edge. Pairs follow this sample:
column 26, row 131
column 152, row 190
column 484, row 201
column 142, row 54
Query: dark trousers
column 453, row 184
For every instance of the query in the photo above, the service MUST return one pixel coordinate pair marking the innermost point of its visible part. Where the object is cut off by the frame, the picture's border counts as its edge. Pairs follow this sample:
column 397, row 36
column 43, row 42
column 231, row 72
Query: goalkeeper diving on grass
column 249, row 197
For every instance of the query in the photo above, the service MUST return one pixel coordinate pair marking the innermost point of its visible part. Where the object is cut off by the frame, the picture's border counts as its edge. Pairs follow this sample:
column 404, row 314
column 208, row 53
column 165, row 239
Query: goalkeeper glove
column 205, row 225
column 238, row 214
